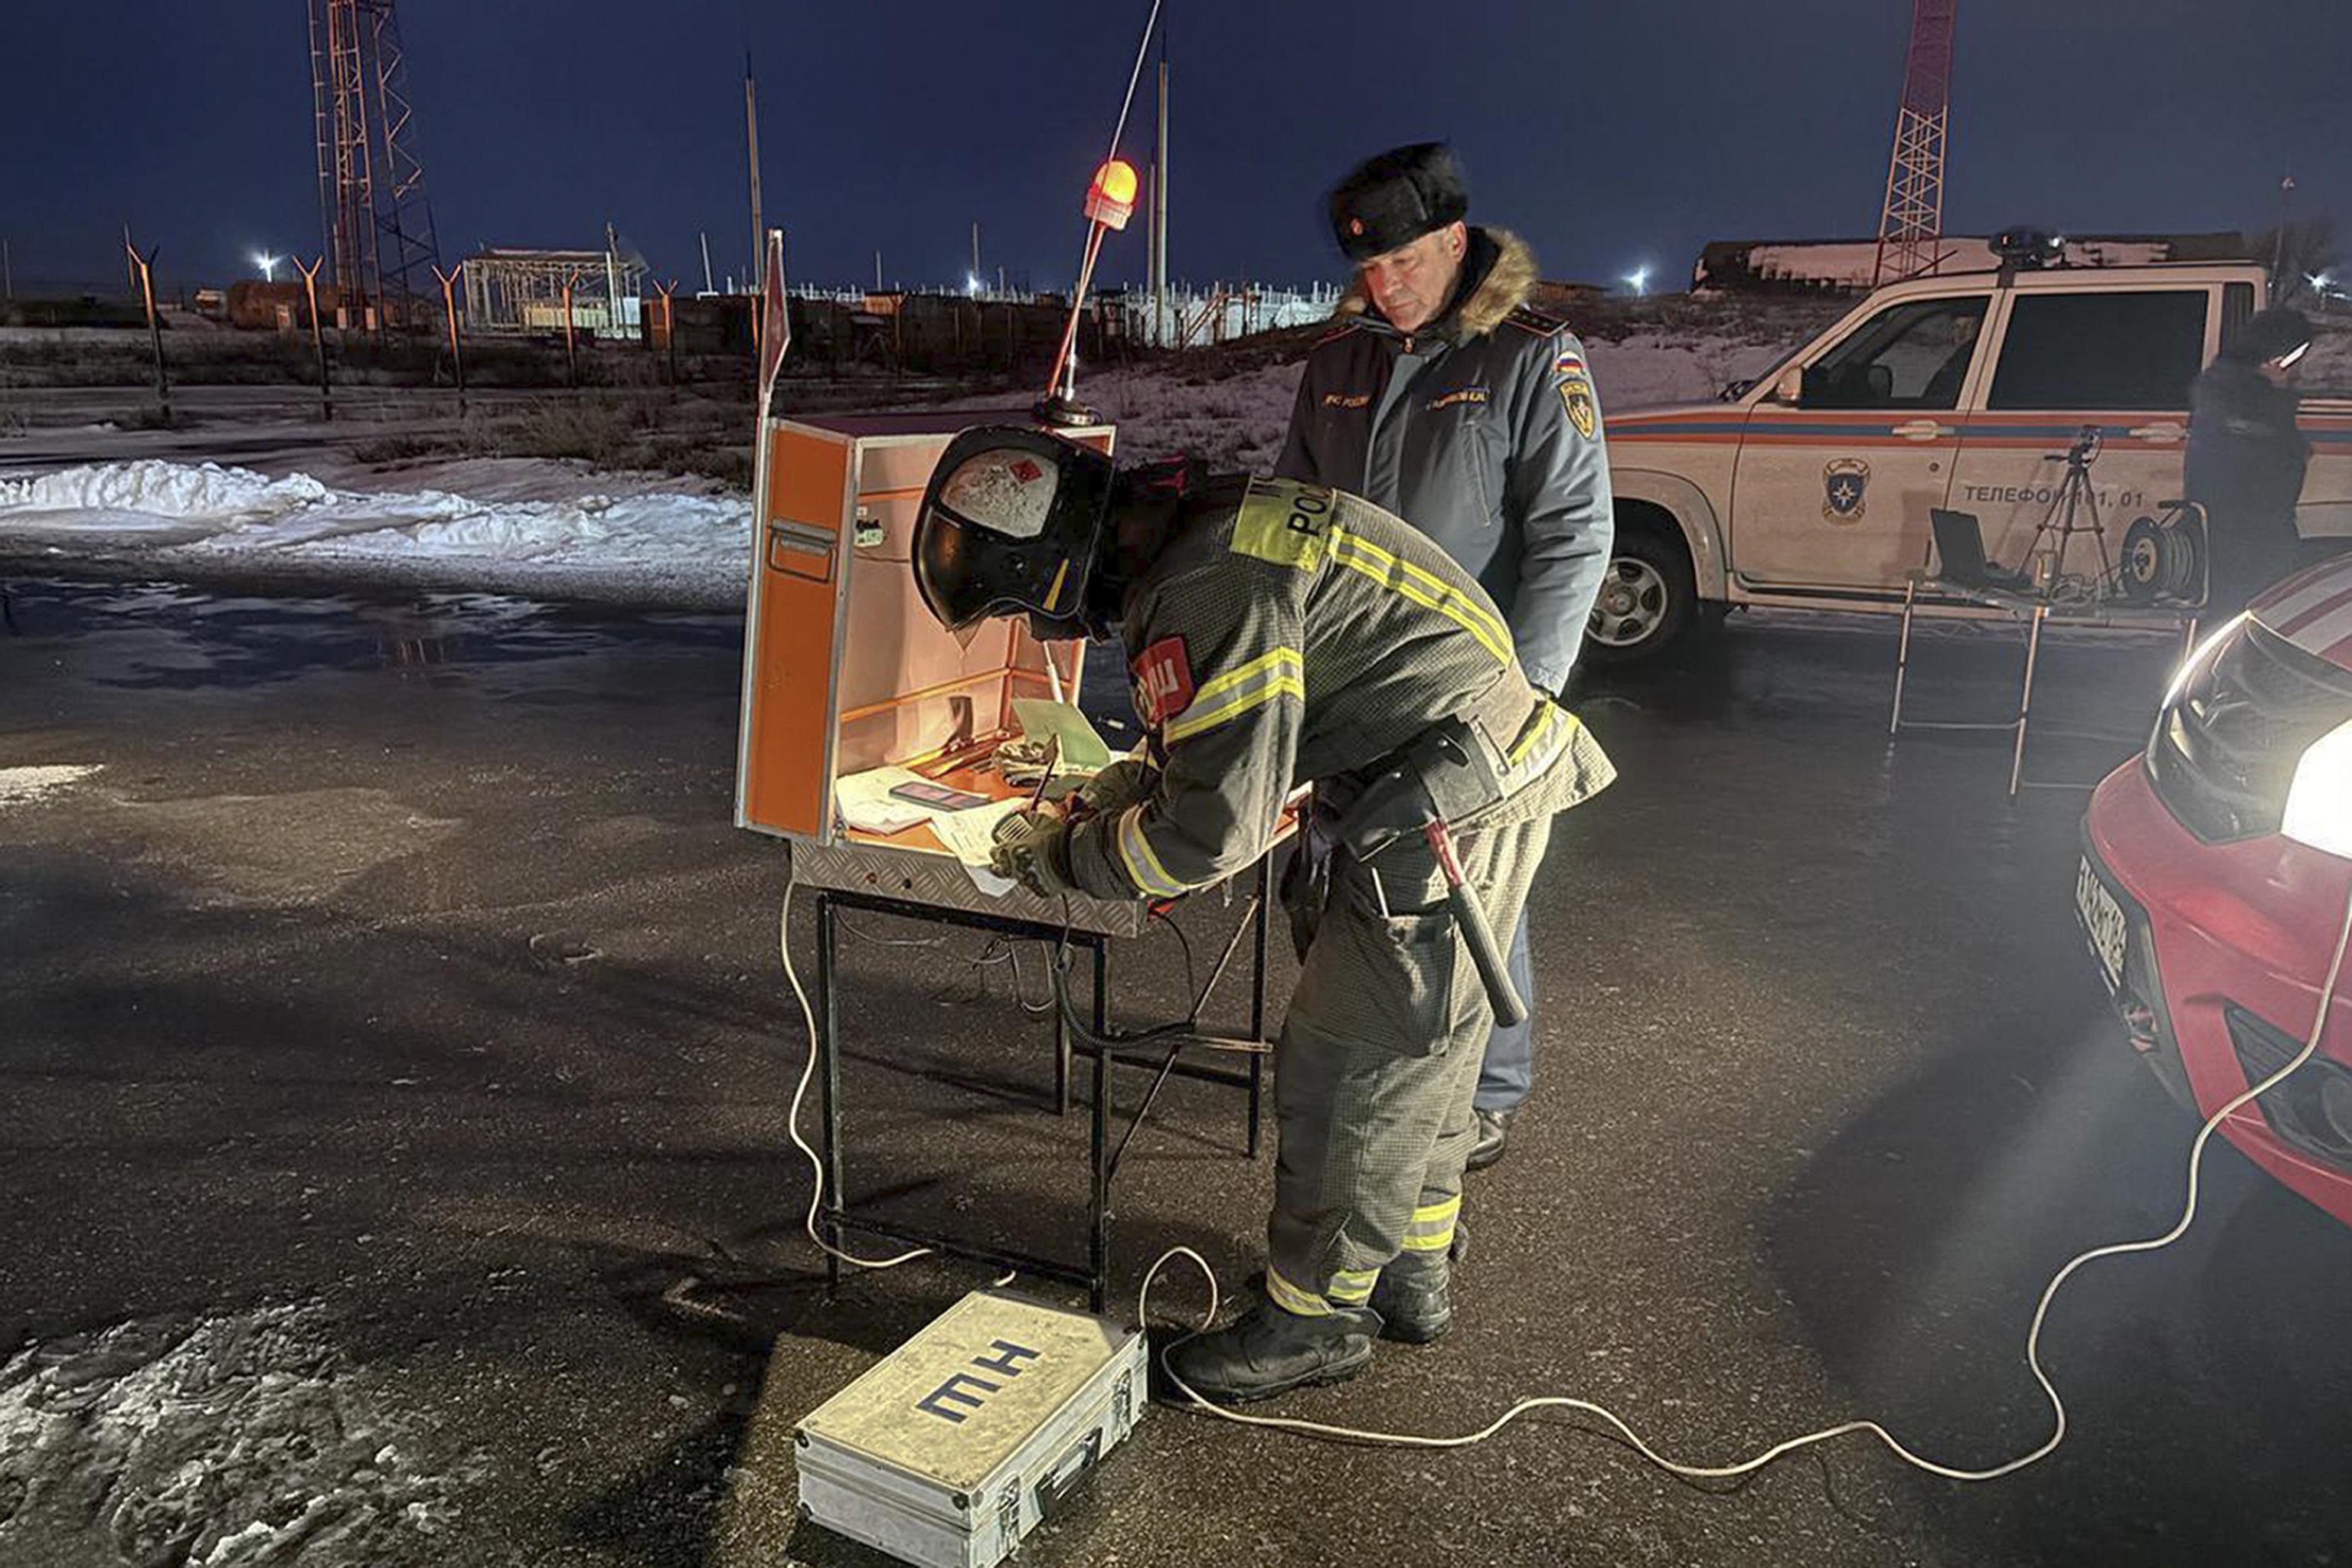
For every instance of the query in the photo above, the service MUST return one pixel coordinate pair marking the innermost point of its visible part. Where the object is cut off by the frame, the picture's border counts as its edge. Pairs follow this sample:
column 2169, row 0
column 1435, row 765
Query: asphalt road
column 399, row 970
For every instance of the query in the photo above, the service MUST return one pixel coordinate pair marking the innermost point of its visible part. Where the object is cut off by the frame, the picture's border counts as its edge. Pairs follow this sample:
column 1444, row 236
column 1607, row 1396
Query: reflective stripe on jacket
column 1289, row 633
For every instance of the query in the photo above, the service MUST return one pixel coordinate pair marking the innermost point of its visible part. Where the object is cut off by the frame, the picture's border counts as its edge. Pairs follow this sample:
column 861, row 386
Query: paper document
column 865, row 803
column 1083, row 751
column 971, row 835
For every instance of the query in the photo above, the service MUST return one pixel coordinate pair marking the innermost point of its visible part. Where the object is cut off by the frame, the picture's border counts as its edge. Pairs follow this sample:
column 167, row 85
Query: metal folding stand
column 2035, row 610
column 838, row 1216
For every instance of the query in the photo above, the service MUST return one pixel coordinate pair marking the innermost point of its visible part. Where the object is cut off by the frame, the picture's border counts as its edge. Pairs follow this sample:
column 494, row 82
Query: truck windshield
column 1912, row 356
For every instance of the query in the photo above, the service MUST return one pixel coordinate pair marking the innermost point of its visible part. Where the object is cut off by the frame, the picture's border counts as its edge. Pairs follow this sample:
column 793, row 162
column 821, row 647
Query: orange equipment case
column 843, row 669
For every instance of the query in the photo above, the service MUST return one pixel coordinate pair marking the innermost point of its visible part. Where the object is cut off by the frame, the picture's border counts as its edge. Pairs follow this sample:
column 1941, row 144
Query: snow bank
column 230, row 1442
column 20, row 786
column 664, row 547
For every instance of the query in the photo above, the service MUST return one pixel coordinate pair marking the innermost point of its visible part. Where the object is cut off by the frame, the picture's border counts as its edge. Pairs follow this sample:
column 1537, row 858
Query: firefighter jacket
column 1483, row 431
column 1286, row 634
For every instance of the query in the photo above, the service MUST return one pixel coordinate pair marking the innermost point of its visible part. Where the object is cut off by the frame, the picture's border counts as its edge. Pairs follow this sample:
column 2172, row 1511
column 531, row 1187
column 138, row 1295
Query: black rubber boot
column 1493, row 1136
column 1267, row 1350
column 1415, row 1299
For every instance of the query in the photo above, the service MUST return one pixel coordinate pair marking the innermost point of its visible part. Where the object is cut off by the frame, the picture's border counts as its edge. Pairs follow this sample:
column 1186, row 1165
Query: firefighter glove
column 1115, row 787
column 1032, row 847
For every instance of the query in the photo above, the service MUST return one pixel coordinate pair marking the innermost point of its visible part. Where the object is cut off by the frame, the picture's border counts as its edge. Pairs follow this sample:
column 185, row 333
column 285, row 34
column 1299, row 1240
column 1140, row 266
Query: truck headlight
column 2319, row 802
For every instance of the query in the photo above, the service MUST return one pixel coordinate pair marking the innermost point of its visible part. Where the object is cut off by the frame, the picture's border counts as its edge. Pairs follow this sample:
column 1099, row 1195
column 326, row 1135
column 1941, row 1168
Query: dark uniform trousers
column 1378, row 1066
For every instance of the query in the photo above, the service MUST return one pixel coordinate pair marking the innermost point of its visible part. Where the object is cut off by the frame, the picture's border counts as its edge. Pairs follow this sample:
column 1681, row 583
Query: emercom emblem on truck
column 1844, row 481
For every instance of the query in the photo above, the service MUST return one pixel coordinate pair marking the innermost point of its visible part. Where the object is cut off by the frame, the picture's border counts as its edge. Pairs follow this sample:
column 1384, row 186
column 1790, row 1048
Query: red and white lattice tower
column 374, row 218
column 1912, row 224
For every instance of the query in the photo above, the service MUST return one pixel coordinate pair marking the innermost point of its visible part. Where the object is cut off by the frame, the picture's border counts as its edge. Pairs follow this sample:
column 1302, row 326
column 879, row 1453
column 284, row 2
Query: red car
column 2215, row 871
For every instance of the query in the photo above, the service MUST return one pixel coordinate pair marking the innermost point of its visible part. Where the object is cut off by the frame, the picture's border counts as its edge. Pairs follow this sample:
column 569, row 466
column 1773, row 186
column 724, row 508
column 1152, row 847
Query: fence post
column 143, row 268
column 571, row 354
column 317, row 333
column 668, row 292
column 457, row 346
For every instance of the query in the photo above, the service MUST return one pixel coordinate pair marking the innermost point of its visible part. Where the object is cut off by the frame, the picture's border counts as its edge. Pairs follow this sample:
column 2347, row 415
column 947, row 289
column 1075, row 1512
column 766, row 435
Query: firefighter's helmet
column 1012, row 523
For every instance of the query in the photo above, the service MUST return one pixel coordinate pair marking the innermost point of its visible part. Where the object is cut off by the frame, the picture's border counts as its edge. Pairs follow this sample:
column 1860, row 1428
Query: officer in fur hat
column 1442, row 397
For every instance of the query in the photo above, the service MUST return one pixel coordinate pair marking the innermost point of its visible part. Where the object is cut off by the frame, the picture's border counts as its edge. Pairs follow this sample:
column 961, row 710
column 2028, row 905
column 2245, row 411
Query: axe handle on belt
column 1470, row 919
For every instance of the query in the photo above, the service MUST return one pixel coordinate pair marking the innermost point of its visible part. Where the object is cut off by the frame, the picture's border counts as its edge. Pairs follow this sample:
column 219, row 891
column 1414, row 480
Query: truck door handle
column 1923, row 430
column 2166, row 433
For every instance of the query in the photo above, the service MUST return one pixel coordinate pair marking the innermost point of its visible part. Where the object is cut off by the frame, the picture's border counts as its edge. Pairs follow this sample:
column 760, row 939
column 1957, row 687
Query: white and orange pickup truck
column 1811, row 487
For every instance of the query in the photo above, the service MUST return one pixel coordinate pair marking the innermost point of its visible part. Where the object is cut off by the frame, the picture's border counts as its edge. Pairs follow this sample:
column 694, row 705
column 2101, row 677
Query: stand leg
column 1098, row 1215
column 1061, row 1050
column 1257, row 1000
column 2025, row 697
column 828, row 1089
column 1903, row 654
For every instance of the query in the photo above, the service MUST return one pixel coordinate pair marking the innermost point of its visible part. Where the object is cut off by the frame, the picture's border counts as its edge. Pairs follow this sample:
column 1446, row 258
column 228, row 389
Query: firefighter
column 1443, row 397
column 1281, row 634
column 2246, row 457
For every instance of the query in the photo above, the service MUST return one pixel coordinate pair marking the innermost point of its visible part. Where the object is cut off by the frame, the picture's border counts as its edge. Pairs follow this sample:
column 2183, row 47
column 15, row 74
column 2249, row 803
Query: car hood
column 2313, row 610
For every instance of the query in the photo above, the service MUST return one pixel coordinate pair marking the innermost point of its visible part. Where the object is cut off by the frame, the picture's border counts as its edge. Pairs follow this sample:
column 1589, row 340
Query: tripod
column 2076, row 501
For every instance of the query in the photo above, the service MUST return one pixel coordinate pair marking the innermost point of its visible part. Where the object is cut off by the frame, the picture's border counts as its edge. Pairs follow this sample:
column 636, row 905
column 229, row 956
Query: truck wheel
column 1647, row 599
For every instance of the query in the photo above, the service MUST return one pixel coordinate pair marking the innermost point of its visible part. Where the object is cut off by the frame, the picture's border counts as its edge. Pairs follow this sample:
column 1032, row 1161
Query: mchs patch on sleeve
column 1576, row 393
column 1163, row 681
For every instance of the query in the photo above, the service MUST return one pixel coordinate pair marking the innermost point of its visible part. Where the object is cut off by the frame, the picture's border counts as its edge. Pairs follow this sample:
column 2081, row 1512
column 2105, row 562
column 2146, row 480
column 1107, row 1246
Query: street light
column 268, row 265
column 1638, row 280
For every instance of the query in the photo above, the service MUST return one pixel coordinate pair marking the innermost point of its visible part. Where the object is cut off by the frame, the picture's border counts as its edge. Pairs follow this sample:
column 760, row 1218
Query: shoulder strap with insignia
column 1542, row 323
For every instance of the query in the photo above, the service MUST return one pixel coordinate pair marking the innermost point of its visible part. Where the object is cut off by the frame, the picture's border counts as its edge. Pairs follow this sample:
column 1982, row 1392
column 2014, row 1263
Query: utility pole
column 708, row 287
column 877, row 272
column 613, row 282
column 1159, row 268
column 7, row 273
column 975, row 253
column 751, row 137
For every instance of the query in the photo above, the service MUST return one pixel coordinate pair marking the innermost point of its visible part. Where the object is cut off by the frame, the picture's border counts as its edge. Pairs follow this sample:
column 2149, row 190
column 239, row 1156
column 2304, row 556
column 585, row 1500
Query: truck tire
column 1648, row 598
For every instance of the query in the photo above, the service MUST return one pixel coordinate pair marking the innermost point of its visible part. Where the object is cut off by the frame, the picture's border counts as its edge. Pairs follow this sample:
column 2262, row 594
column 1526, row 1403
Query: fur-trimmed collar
column 1509, row 279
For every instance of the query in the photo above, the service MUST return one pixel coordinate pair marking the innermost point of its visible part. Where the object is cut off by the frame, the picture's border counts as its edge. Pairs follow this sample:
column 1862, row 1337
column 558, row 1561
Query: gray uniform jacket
column 1287, row 634
column 1483, row 431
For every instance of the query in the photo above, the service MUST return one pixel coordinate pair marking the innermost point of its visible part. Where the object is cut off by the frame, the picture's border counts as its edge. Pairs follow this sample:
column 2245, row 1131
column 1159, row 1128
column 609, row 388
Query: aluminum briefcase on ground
column 950, row 1450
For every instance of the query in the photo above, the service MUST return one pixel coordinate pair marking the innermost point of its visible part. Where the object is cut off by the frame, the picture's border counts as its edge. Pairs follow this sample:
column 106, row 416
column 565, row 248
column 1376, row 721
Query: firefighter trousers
column 1376, row 1066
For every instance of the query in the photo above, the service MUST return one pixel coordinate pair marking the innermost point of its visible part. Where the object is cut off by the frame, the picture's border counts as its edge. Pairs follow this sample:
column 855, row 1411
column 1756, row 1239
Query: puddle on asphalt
column 162, row 636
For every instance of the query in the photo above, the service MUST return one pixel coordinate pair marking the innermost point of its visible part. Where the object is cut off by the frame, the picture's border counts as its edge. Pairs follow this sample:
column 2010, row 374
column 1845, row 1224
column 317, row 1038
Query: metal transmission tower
column 377, row 222
column 1913, row 220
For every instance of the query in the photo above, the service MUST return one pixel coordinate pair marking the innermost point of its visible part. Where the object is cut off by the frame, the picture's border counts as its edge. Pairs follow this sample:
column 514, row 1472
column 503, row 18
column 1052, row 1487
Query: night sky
column 1610, row 135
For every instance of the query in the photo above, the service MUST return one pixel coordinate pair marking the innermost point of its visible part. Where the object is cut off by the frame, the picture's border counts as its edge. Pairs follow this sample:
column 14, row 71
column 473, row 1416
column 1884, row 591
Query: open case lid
column 845, row 669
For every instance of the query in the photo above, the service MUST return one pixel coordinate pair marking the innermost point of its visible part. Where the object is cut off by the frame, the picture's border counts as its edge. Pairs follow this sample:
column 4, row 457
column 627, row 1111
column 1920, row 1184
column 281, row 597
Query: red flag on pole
column 775, row 318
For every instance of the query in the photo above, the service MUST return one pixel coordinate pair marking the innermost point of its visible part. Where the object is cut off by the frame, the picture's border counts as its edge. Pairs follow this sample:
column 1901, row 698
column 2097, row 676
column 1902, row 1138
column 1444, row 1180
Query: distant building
column 1846, row 266
column 517, row 290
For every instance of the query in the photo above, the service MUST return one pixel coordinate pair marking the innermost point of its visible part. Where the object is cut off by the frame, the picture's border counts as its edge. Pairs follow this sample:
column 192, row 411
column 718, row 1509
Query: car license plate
column 2102, row 922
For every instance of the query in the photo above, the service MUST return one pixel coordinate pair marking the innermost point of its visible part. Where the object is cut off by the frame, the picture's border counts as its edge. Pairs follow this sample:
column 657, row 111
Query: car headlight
column 2319, row 802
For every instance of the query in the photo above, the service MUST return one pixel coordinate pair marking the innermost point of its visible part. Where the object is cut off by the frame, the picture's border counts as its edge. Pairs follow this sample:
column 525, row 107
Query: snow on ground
column 231, row 1441
column 1237, row 421
column 649, row 546
column 560, row 530
column 20, row 786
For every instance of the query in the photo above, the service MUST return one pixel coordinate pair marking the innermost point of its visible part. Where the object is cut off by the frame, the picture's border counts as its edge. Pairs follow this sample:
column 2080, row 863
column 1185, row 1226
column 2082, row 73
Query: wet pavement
column 398, row 975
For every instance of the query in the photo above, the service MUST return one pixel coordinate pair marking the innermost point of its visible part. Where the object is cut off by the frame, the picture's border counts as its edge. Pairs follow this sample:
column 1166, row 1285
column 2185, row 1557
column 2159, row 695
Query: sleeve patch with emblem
column 1576, row 394
column 1163, row 681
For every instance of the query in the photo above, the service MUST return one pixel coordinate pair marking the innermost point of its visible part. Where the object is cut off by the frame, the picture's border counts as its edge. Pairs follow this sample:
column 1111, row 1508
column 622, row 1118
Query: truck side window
column 2116, row 350
column 1913, row 355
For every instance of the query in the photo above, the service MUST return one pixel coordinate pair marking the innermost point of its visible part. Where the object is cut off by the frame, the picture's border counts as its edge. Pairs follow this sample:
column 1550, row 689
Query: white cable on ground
column 1724, row 1472
column 792, row 1117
